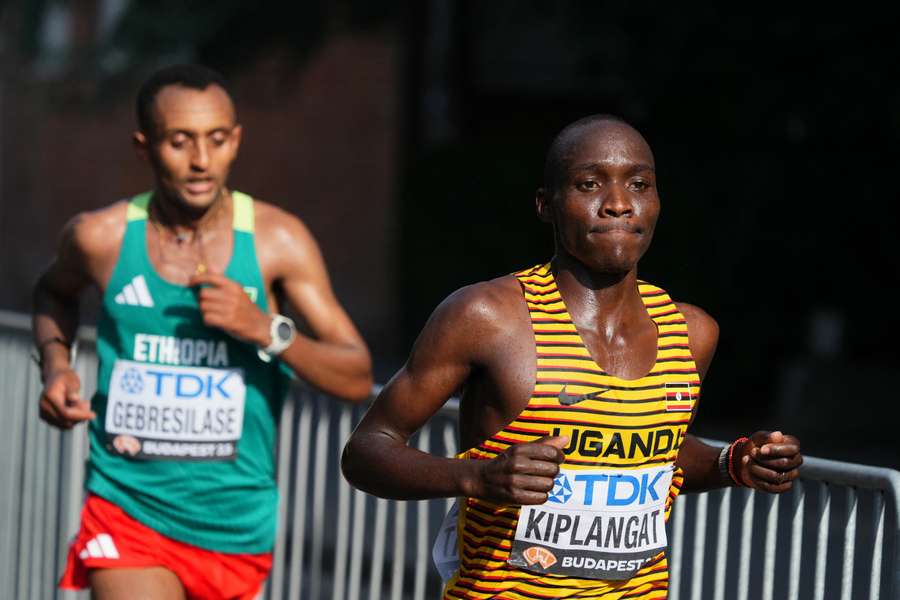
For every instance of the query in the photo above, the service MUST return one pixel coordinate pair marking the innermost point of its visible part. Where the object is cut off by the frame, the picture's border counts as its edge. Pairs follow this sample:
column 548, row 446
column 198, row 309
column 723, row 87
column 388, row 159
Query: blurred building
column 320, row 116
column 410, row 137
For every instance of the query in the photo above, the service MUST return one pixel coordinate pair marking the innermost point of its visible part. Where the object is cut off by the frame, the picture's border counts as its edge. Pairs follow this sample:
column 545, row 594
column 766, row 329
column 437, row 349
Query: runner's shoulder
column 703, row 331
column 698, row 319
column 96, row 233
column 274, row 225
column 485, row 308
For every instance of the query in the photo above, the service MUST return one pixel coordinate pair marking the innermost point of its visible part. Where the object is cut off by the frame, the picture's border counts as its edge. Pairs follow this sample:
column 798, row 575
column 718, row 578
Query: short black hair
column 555, row 163
column 193, row 76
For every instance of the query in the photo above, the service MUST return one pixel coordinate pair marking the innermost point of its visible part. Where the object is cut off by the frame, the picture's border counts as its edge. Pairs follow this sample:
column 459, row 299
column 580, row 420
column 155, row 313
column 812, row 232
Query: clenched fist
column 523, row 474
column 61, row 404
column 768, row 461
column 225, row 305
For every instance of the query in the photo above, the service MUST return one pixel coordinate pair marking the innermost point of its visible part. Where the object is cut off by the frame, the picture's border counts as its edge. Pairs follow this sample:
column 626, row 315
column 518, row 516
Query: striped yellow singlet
column 637, row 423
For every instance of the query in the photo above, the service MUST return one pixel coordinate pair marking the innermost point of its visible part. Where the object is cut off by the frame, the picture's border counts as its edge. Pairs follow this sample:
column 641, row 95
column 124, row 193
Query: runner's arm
column 700, row 460
column 457, row 340
column 83, row 258
column 768, row 461
column 335, row 358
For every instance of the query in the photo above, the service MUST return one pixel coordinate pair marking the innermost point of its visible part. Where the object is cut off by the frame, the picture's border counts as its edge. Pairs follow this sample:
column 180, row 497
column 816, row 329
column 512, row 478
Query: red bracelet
column 734, row 477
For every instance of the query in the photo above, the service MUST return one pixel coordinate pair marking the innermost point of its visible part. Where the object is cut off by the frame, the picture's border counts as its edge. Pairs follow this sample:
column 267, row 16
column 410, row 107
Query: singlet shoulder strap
column 536, row 278
column 137, row 207
column 242, row 207
column 659, row 305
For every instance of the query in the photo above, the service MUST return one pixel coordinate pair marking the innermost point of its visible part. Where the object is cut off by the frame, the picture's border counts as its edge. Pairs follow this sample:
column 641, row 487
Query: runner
column 194, row 357
column 579, row 382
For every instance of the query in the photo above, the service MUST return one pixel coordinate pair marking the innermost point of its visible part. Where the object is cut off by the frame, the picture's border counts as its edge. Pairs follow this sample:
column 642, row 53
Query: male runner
column 579, row 382
column 192, row 348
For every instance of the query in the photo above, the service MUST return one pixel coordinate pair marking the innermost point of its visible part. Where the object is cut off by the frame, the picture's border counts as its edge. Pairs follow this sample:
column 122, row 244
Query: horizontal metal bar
column 15, row 327
column 20, row 323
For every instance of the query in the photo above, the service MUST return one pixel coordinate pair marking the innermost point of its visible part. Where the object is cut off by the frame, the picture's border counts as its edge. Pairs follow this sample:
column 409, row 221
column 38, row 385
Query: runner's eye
column 587, row 186
column 640, row 185
column 178, row 141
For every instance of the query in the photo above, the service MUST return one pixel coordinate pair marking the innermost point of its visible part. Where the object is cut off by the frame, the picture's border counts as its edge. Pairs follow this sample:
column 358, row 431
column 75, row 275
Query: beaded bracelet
column 731, row 469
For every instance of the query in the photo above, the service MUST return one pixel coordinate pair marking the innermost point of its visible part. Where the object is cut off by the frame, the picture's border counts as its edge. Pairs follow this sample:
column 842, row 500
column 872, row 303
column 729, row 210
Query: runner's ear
column 542, row 205
column 141, row 145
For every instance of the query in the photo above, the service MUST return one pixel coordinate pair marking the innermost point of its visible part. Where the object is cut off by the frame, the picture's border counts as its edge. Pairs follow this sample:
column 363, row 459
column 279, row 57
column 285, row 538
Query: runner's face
column 195, row 142
column 605, row 208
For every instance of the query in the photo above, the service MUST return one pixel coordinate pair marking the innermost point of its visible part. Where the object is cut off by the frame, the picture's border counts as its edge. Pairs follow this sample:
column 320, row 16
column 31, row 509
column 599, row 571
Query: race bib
column 596, row 524
column 445, row 552
column 159, row 412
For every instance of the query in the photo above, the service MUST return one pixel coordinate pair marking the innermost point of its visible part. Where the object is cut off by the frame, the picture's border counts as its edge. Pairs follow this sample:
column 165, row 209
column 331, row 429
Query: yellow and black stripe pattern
column 629, row 424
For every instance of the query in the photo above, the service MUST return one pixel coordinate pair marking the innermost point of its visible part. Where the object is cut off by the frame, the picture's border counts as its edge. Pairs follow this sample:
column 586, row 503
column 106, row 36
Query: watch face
column 284, row 331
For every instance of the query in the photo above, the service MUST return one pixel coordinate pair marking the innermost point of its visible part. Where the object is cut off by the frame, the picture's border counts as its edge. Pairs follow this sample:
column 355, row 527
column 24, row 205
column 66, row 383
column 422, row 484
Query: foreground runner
column 182, row 496
column 578, row 385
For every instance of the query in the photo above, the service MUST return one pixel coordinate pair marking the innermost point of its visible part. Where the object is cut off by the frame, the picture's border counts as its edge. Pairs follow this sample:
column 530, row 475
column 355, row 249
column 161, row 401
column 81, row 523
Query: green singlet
column 184, row 438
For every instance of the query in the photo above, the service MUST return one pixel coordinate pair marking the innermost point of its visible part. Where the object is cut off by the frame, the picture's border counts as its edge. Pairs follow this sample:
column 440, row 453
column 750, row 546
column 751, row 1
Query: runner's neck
column 183, row 224
column 592, row 297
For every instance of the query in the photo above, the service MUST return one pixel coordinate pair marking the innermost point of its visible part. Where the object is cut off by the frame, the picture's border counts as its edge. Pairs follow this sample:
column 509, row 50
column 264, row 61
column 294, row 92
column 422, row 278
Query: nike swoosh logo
column 570, row 399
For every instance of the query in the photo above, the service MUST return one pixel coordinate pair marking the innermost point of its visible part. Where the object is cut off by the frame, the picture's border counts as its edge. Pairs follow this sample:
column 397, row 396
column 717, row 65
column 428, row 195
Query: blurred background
column 410, row 137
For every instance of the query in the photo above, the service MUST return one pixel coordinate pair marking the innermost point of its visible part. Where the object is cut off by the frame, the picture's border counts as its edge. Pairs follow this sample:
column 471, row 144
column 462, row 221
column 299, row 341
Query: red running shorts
column 110, row 539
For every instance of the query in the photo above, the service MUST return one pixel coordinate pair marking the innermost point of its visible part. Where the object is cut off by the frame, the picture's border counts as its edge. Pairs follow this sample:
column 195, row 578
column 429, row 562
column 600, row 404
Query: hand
column 61, row 404
column 523, row 474
column 226, row 305
column 769, row 461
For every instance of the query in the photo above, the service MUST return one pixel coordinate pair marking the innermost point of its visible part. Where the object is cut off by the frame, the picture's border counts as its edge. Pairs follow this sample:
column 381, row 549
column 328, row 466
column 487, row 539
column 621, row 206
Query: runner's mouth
column 199, row 186
column 616, row 229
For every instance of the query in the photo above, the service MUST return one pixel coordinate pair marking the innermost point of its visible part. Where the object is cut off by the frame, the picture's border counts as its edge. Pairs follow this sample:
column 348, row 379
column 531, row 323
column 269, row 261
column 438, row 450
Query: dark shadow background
column 775, row 138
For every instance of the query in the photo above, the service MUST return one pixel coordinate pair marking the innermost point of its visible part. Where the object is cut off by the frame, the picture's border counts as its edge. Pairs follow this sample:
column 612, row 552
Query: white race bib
column 172, row 412
column 596, row 524
column 445, row 552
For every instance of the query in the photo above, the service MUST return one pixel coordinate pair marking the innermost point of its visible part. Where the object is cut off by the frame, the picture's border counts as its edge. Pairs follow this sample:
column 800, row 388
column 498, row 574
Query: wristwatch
column 282, row 331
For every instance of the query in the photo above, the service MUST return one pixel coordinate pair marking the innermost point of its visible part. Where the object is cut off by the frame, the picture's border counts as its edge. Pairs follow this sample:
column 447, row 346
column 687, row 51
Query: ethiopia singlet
column 601, row 533
column 186, row 415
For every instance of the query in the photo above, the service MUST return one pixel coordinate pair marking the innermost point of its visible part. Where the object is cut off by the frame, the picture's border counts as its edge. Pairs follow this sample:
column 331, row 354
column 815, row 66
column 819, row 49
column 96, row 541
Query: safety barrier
column 834, row 536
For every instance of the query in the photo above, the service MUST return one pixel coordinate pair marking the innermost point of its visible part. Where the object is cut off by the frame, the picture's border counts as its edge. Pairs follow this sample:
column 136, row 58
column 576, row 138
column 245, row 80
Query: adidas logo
column 135, row 293
column 101, row 546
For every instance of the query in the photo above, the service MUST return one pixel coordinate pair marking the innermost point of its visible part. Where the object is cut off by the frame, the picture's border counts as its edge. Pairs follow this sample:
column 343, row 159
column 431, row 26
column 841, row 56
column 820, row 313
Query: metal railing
column 834, row 536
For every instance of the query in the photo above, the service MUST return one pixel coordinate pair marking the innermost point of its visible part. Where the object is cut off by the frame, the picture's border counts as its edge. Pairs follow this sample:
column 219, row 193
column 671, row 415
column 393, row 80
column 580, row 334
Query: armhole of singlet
column 520, row 277
column 687, row 333
column 243, row 255
column 135, row 212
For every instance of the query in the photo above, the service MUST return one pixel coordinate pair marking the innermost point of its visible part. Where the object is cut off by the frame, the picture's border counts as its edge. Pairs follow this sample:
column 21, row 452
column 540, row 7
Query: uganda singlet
column 186, row 415
column 601, row 533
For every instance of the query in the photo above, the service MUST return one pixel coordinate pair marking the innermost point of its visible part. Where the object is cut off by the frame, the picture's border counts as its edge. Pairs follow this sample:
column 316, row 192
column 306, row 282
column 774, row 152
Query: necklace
column 181, row 237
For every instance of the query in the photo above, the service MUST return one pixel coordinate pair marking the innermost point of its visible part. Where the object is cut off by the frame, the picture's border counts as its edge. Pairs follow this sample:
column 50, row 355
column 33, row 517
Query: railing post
column 41, row 474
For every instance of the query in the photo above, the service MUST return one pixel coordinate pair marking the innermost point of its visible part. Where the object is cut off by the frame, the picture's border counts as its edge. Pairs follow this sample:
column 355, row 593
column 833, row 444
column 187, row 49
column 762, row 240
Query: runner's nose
column 616, row 203
column 200, row 156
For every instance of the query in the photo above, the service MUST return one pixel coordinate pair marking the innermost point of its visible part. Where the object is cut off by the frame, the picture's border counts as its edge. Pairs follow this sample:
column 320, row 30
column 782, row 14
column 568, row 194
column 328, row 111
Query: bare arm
column 335, row 358
column 699, row 460
column 459, row 337
column 768, row 461
column 86, row 253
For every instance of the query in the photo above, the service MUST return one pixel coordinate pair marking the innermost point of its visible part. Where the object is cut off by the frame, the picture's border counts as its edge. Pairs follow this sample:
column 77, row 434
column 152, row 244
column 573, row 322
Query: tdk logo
column 189, row 385
column 132, row 382
column 620, row 489
column 562, row 490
